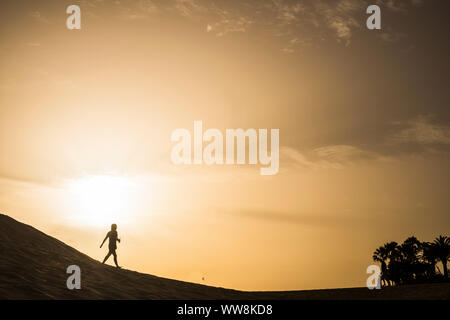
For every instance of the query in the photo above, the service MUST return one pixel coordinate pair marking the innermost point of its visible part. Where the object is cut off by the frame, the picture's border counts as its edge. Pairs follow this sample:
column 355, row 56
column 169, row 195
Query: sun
column 100, row 200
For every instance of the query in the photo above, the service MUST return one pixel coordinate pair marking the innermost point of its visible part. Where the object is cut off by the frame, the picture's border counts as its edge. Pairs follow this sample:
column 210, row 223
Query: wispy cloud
column 417, row 136
column 342, row 28
column 340, row 16
column 142, row 9
column 293, row 156
column 396, row 6
column 288, row 13
column 328, row 157
column 302, row 23
column 309, row 219
column 229, row 25
column 188, row 8
column 392, row 36
column 296, row 43
column 421, row 131
column 341, row 153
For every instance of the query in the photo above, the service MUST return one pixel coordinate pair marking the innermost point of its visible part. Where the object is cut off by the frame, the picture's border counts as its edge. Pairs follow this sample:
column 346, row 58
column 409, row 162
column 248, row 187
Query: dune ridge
column 33, row 266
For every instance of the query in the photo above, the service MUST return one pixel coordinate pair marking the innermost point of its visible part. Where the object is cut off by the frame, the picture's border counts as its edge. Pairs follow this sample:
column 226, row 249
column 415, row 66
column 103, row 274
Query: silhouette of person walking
column 112, row 235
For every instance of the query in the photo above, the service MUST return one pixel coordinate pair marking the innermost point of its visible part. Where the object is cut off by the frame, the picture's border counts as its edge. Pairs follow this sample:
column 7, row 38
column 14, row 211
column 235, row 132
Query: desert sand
column 33, row 266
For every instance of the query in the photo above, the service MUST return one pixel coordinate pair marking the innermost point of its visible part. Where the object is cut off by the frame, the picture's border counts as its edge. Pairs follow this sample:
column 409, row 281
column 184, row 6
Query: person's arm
column 107, row 235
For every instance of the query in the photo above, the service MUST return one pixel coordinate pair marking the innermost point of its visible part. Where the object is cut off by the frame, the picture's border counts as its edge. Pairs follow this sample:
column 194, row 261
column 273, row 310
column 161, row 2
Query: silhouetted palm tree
column 429, row 256
column 385, row 252
column 382, row 255
column 442, row 246
column 413, row 261
column 410, row 252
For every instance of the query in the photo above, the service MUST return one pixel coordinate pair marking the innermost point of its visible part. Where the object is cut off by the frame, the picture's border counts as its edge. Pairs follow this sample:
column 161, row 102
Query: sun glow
column 101, row 199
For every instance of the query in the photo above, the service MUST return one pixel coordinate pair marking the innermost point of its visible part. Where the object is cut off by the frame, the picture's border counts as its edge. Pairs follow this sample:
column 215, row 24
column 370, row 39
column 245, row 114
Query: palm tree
column 385, row 252
column 442, row 247
column 393, row 250
column 410, row 251
column 429, row 256
column 382, row 254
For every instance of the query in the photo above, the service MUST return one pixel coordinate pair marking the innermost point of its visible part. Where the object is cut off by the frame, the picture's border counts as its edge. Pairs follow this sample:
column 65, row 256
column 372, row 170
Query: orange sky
column 86, row 118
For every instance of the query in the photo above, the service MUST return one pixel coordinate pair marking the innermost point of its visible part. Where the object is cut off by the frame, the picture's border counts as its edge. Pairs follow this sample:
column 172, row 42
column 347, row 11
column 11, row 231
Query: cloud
column 287, row 13
column 421, row 131
column 418, row 136
column 142, row 9
column 229, row 25
column 341, row 16
column 309, row 21
column 295, row 157
column 92, row 3
column 396, row 6
column 342, row 28
column 399, row 6
column 392, row 37
column 338, row 218
column 341, row 153
column 296, row 43
column 288, row 50
column 188, row 8
column 328, row 157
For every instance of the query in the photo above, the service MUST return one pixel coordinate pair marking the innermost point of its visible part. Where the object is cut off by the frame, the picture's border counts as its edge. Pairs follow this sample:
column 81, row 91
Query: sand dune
column 33, row 266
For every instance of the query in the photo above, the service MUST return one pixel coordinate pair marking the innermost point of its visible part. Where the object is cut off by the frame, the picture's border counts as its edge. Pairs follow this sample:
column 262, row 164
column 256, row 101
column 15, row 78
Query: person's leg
column 115, row 259
column 107, row 256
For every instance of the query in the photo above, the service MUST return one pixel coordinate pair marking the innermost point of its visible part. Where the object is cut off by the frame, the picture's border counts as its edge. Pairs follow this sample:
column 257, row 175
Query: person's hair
column 113, row 226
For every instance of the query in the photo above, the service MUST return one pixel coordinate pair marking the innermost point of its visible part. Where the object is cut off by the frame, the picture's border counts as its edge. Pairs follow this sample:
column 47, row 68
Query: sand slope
column 33, row 266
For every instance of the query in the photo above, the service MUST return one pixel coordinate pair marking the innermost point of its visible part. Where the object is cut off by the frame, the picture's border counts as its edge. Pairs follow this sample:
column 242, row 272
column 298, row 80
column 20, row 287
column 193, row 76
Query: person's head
column 114, row 227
